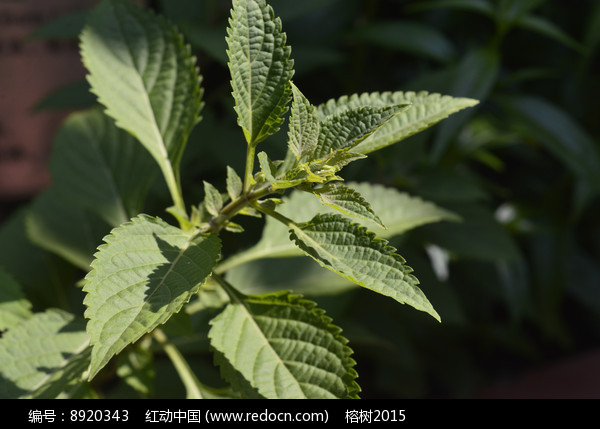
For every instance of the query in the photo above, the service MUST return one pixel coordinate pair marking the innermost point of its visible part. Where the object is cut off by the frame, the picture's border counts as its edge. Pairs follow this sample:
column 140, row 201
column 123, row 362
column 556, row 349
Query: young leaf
column 356, row 254
column 347, row 201
column 14, row 307
column 260, row 68
column 303, row 133
column 346, row 129
column 234, row 184
column 425, row 110
column 285, row 347
column 145, row 76
column 398, row 211
column 144, row 273
column 213, row 202
column 44, row 356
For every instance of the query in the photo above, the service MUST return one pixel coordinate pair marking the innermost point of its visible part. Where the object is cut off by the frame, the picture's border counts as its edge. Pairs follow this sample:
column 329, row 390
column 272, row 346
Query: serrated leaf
column 145, row 76
column 14, row 307
column 425, row 110
column 356, row 254
column 303, row 134
column 144, row 273
column 213, row 202
column 100, row 167
column 260, row 68
column 348, row 127
column 234, row 184
column 44, row 356
column 285, row 347
column 398, row 211
column 347, row 201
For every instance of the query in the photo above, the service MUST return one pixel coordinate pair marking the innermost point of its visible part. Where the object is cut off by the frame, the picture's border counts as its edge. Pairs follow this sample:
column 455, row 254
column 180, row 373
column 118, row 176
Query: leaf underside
column 145, row 76
column 284, row 347
column 353, row 252
column 425, row 110
column 44, row 356
column 144, row 274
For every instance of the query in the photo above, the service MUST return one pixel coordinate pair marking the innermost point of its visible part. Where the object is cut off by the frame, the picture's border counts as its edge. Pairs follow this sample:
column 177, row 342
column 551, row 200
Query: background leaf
column 14, row 307
column 101, row 168
column 44, row 356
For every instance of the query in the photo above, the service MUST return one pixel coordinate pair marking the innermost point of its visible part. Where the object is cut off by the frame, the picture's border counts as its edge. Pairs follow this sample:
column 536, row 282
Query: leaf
column 479, row 236
column 234, row 184
column 69, row 231
column 474, row 77
column 347, row 128
column 398, row 211
column 44, row 356
column 74, row 95
column 213, row 202
column 136, row 368
column 285, row 347
column 548, row 29
column 144, row 274
column 145, row 76
column 411, row 37
column 356, row 254
column 67, row 26
column 303, row 134
column 559, row 133
column 347, row 201
column 97, row 166
column 43, row 286
column 260, row 68
column 14, row 307
column 425, row 110
column 480, row 6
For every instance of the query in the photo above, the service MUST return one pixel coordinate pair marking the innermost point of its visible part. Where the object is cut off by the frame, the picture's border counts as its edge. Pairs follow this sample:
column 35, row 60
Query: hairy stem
column 249, row 167
column 234, row 207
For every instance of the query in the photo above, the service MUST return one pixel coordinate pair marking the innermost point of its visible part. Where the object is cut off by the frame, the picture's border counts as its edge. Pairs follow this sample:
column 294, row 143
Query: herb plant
column 152, row 279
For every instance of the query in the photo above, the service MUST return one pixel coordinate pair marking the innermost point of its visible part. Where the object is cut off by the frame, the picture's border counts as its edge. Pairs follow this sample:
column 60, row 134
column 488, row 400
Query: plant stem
column 281, row 218
column 249, row 167
column 235, row 206
column 193, row 387
column 174, row 188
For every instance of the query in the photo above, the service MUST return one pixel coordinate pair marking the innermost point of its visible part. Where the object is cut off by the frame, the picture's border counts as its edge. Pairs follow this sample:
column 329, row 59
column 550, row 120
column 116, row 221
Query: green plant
column 150, row 273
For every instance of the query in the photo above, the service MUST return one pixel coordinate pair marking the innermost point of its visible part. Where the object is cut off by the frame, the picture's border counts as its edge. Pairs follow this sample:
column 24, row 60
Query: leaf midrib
column 235, row 298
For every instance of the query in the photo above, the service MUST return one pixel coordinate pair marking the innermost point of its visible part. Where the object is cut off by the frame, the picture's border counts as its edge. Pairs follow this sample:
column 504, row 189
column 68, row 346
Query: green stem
column 174, row 188
column 281, row 218
column 235, row 206
column 193, row 387
column 248, row 175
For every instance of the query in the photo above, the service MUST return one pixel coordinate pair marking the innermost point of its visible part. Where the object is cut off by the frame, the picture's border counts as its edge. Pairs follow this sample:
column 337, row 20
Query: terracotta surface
column 29, row 70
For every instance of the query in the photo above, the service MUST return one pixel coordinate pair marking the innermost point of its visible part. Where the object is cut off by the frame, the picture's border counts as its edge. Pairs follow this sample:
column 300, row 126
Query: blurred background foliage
column 517, row 282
